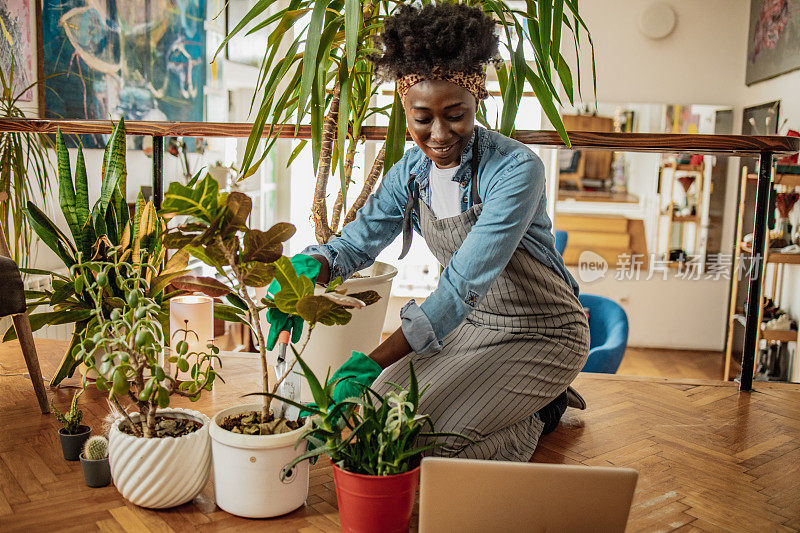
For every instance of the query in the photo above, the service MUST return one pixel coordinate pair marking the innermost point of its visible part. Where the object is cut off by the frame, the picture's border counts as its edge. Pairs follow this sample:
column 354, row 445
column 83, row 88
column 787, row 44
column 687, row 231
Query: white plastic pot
column 248, row 468
column 331, row 346
column 161, row 472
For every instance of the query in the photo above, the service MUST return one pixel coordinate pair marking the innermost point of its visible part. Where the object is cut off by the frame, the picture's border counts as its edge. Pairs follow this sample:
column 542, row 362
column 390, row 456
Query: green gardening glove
column 304, row 265
column 359, row 371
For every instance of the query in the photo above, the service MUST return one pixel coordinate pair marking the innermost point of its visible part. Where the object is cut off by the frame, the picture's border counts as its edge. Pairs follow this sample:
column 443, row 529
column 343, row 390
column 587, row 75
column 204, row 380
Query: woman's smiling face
column 441, row 118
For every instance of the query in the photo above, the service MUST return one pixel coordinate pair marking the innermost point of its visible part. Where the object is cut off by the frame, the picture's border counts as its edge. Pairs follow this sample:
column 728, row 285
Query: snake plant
column 95, row 234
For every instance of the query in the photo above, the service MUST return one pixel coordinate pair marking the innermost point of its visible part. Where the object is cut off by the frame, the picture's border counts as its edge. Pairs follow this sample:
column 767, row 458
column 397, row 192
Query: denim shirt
column 511, row 186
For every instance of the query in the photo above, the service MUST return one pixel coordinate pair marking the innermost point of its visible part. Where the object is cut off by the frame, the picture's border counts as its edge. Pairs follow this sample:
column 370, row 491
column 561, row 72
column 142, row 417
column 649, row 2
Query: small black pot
column 96, row 473
column 72, row 445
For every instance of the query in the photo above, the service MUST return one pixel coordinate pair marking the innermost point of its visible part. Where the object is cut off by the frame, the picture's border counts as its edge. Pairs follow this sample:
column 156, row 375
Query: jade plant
column 125, row 347
column 95, row 234
column 369, row 434
column 71, row 419
column 217, row 233
column 96, row 448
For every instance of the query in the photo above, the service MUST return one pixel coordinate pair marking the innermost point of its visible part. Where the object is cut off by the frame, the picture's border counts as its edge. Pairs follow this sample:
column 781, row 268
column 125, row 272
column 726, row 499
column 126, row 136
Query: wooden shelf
column 697, row 169
column 783, row 335
column 789, row 180
column 774, row 257
column 686, row 218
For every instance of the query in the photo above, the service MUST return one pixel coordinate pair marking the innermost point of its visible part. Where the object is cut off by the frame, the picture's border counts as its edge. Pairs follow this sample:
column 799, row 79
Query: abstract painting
column 773, row 45
column 141, row 59
column 17, row 44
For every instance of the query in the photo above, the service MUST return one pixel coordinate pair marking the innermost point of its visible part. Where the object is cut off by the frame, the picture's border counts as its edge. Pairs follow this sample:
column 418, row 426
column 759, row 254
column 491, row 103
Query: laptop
column 465, row 495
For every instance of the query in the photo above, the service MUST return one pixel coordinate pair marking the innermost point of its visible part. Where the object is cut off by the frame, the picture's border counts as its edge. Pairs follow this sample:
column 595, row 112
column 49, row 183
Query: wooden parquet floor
column 709, row 458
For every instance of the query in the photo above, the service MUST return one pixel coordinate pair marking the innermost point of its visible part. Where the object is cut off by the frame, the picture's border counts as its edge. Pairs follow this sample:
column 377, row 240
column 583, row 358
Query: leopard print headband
column 475, row 83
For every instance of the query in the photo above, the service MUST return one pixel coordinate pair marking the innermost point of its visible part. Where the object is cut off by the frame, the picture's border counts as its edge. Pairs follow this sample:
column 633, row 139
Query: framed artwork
column 773, row 44
column 761, row 119
column 140, row 60
column 246, row 49
column 18, row 44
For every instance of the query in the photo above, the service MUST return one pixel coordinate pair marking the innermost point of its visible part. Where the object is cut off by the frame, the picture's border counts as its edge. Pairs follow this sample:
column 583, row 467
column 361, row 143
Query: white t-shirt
column 445, row 193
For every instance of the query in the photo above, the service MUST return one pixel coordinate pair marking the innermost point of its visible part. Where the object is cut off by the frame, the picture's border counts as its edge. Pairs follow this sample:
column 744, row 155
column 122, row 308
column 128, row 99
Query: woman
column 503, row 335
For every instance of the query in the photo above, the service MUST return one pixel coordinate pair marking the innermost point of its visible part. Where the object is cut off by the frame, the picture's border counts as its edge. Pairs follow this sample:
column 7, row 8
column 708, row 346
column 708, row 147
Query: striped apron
column 521, row 346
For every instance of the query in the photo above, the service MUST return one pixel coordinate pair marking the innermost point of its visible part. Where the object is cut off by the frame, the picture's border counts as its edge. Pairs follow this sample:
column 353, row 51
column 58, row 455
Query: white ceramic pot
column 331, row 346
column 248, row 468
column 161, row 472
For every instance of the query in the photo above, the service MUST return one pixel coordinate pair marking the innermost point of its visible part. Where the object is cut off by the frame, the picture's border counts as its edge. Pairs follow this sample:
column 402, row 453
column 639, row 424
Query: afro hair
column 453, row 37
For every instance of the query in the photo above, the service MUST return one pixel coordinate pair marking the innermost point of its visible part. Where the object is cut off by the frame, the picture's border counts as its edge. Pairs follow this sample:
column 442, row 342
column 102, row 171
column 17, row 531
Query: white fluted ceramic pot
column 248, row 469
column 161, row 472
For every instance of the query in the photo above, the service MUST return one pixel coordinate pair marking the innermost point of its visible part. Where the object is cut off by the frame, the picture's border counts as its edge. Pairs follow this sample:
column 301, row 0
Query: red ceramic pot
column 375, row 504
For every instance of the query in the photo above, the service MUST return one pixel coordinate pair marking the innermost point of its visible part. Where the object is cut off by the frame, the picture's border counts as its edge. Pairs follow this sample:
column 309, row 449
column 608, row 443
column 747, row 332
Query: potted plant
column 252, row 443
column 95, row 234
column 320, row 75
column 373, row 443
column 73, row 434
column 159, row 457
column 94, row 462
column 25, row 167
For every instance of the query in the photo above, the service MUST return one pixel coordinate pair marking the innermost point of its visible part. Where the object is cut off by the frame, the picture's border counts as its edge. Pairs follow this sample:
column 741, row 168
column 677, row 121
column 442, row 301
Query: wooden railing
column 763, row 147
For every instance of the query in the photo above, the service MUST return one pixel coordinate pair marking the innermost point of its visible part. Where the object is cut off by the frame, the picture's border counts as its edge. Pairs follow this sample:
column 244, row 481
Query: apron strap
column 413, row 197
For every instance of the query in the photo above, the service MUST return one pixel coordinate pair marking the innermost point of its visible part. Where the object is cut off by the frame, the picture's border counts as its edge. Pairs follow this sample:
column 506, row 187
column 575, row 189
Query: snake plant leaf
column 69, row 362
column 66, row 192
column 114, row 169
column 206, row 285
column 82, row 212
column 293, row 287
column 257, row 274
column 146, row 229
column 266, row 246
column 53, row 237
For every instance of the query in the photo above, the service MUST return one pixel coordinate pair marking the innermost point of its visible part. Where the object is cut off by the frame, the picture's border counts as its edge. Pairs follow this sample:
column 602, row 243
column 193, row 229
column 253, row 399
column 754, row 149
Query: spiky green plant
column 71, row 419
column 95, row 448
column 370, row 434
column 94, row 234
column 24, row 171
column 320, row 73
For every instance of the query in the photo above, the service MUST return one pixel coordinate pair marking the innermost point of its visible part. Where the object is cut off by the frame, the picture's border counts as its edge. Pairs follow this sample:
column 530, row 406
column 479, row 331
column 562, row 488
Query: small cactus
column 96, row 448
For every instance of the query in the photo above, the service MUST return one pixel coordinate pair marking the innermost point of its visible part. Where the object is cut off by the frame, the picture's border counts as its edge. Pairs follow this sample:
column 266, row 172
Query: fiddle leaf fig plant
column 216, row 232
column 316, row 70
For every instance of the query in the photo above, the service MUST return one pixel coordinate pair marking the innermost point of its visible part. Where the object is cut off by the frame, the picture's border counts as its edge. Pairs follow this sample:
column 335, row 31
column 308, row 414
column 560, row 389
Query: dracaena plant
column 368, row 434
column 25, row 169
column 216, row 232
column 94, row 234
column 319, row 73
column 125, row 346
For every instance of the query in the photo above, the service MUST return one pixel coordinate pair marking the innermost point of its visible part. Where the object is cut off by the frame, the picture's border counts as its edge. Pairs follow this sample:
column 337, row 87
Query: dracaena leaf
column 208, row 286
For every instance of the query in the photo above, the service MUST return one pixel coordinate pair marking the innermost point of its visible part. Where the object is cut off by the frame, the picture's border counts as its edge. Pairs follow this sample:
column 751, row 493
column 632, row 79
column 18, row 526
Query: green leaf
column 228, row 313
column 258, row 274
column 266, row 246
column 315, row 309
column 368, row 297
column 395, row 135
column 352, row 17
column 120, row 385
column 293, row 287
column 53, row 237
column 238, row 206
column 82, row 212
column 66, row 192
column 344, row 120
column 546, row 101
column 208, row 286
column 199, row 201
column 114, row 170
column 311, row 49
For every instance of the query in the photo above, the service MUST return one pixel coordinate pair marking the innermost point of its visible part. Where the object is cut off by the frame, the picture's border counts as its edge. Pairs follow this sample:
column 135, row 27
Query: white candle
column 196, row 314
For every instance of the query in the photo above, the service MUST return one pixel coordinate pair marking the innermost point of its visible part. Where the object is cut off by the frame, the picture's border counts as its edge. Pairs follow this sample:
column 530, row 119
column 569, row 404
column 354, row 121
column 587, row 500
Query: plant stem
column 369, row 183
column 134, row 427
column 338, row 205
column 255, row 322
column 319, row 209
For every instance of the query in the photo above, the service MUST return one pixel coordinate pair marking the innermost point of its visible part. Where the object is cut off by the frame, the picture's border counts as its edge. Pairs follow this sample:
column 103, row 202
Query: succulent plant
column 96, row 448
column 71, row 419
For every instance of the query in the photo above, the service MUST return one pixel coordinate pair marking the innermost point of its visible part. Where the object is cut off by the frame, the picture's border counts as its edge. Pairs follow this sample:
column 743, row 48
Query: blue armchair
column 561, row 241
column 608, row 329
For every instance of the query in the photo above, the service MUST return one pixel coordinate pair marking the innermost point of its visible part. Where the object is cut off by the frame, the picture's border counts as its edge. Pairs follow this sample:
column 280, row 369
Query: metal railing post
column 158, row 170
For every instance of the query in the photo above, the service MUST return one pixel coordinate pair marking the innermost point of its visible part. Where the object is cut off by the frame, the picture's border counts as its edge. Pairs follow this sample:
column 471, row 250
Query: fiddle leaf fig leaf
column 208, row 286
column 266, row 246
column 368, row 297
column 258, row 274
column 293, row 287
column 321, row 309
column 343, row 300
column 333, row 285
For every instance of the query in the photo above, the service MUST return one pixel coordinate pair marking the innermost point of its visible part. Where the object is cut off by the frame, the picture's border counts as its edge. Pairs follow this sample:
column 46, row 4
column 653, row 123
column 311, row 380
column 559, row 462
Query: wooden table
column 709, row 457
